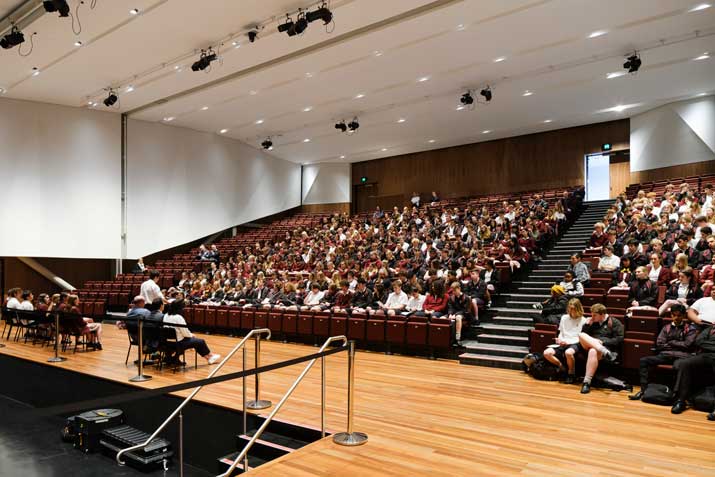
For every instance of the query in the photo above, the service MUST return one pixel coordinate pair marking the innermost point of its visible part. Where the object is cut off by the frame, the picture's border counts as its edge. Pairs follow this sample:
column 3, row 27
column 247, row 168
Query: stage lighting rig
column 353, row 126
column 633, row 63
column 341, row 126
column 59, row 6
column 253, row 35
column 467, row 99
column 12, row 39
column 322, row 13
column 111, row 99
column 204, row 61
column 267, row 144
column 486, row 93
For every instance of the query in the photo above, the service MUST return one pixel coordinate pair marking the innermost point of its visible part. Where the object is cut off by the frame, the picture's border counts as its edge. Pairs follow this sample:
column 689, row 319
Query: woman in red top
column 94, row 330
column 436, row 300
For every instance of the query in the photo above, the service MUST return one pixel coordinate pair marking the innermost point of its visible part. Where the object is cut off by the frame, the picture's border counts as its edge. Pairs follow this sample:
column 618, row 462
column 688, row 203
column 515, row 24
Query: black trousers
column 648, row 362
column 197, row 343
column 693, row 373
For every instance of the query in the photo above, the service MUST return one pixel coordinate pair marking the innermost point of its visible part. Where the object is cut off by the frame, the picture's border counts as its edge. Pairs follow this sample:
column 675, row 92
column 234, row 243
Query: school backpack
column 539, row 368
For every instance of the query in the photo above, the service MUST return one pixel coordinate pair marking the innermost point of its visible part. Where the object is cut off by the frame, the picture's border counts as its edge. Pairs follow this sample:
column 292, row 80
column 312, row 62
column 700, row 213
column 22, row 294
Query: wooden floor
column 441, row 418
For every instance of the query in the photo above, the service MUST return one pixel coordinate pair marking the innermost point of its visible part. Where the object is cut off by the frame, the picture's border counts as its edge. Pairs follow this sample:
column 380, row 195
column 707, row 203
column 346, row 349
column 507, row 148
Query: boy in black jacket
column 599, row 338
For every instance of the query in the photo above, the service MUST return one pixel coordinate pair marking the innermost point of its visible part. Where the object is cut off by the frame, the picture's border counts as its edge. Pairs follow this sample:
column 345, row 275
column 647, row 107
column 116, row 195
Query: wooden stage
column 441, row 418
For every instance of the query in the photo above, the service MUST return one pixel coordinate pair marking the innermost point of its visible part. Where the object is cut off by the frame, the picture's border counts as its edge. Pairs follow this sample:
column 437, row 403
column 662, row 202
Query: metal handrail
column 177, row 411
column 278, row 406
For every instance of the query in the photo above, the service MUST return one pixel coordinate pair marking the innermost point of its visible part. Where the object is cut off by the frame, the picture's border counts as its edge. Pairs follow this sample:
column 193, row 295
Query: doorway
column 607, row 174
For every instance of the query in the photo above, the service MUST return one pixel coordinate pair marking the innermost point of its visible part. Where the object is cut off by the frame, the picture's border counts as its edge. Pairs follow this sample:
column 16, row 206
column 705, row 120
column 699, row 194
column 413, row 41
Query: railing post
column 243, row 407
column 258, row 403
column 181, row 444
column 350, row 438
column 322, row 396
column 141, row 377
column 56, row 358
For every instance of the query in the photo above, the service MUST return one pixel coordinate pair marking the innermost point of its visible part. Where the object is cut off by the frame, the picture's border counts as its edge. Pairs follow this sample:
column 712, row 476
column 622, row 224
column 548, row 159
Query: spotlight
column 59, row 6
column 487, row 93
column 287, row 27
column 267, row 144
column 14, row 38
column 111, row 99
column 204, row 61
column 467, row 99
column 252, row 35
column 301, row 24
column 341, row 126
column 633, row 63
column 323, row 13
column 353, row 125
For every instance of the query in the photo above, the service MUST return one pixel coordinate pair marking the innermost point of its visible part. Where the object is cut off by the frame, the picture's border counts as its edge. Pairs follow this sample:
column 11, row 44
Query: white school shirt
column 181, row 333
column 150, row 291
column 14, row 304
column 395, row 300
column 415, row 304
column 706, row 309
column 312, row 299
column 570, row 328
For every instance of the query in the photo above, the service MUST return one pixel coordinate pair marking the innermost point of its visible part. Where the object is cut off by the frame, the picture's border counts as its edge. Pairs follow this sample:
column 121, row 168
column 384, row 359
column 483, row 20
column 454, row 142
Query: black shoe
column 98, row 346
column 637, row 396
column 711, row 416
column 570, row 379
column 586, row 388
column 678, row 407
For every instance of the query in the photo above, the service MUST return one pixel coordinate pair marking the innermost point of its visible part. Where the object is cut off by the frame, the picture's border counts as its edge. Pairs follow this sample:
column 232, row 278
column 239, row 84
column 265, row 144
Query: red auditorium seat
column 603, row 283
column 290, row 322
column 395, row 330
column 375, row 332
column 616, row 301
column 357, row 326
column 416, row 334
column 643, row 324
column 210, row 317
column 275, row 321
column 339, row 324
column 260, row 319
column 540, row 339
column 200, row 315
column 305, row 323
column 634, row 350
column 439, row 333
column 234, row 319
column 189, row 315
column 222, row 318
column 321, row 323
column 247, row 321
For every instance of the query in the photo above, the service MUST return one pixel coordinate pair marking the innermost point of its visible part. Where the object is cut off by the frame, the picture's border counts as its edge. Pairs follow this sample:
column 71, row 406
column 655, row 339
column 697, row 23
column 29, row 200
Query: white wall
column 184, row 184
column 61, row 181
column 677, row 133
column 326, row 183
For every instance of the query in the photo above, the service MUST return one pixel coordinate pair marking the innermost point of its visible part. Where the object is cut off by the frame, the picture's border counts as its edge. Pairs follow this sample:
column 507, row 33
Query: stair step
column 506, row 330
column 504, row 362
column 512, row 320
column 525, row 304
column 503, row 339
column 496, row 350
column 546, row 284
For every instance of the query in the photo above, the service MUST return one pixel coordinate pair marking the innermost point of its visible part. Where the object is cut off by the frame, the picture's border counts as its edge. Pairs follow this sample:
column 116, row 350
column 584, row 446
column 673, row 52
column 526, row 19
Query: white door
column 597, row 177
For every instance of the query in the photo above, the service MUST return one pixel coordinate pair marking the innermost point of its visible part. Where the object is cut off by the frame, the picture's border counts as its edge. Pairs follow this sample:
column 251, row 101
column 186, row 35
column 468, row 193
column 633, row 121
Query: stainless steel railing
column 257, row 332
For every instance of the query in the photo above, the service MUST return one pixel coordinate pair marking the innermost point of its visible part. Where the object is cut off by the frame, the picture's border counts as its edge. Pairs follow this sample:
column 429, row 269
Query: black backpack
column 658, row 394
column 539, row 368
column 705, row 400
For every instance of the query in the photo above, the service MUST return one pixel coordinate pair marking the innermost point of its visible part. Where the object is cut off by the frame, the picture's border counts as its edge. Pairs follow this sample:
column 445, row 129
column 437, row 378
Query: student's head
column 344, row 285
column 677, row 313
column 456, row 288
column 632, row 245
column 655, row 260
column 43, row 298
column 156, row 305
column 154, row 275
column 138, row 302
column 72, row 300
column 568, row 276
column 14, row 292
column 642, row 273
column 27, row 295
column 575, row 258
column 686, row 276
column 397, row 286
column 437, row 288
column 598, row 312
column 608, row 250
column 574, row 308
column 681, row 261
column 175, row 307
column 682, row 241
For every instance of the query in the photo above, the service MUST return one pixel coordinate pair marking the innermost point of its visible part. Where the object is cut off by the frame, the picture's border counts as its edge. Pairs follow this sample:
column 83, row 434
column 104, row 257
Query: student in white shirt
column 608, row 262
column 150, row 289
column 185, row 339
column 415, row 302
column 703, row 310
column 396, row 301
column 568, row 339
column 313, row 297
column 13, row 301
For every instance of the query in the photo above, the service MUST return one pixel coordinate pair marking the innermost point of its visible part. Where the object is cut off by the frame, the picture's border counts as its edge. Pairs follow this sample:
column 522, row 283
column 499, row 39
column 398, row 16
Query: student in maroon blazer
column 663, row 277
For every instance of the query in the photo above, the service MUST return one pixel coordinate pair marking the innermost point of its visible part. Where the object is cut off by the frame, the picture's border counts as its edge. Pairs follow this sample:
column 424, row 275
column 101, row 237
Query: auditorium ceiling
column 398, row 66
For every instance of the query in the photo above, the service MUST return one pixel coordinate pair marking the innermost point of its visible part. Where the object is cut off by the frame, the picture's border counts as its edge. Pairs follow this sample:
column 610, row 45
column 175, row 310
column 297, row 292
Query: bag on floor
column 539, row 368
column 658, row 394
column 615, row 384
column 705, row 400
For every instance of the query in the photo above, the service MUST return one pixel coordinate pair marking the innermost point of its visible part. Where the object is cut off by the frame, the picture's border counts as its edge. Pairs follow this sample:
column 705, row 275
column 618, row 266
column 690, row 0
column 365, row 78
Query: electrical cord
column 32, row 46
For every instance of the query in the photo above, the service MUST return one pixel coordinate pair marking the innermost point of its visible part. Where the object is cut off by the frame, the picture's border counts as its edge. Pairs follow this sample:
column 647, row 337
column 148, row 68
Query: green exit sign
column 607, row 146
column 363, row 179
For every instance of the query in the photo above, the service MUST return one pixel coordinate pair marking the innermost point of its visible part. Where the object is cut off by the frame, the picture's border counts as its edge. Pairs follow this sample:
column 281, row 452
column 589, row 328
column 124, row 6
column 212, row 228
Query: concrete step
column 556, row 261
column 545, row 284
column 504, row 362
column 551, row 266
column 495, row 350
column 528, row 290
column 506, row 311
column 546, row 274
column 525, row 303
column 512, row 320
column 505, row 330
column 507, row 340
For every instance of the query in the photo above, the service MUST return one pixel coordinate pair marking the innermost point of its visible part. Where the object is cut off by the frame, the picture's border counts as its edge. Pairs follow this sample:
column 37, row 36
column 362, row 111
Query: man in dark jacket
column 695, row 371
column 600, row 337
column 476, row 290
column 458, row 309
column 676, row 340
column 362, row 298
column 553, row 308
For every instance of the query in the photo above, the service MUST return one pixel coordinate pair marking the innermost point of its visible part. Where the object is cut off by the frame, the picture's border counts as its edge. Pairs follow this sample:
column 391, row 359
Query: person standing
column 150, row 289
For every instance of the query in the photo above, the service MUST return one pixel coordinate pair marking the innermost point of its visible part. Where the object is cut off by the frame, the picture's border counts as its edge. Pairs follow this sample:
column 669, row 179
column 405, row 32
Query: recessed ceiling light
column 134, row 11
column 236, row 44
column 618, row 109
column 527, row 93
column 431, row 141
column 78, row 43
column 697, row 95
column 500, row 59
column 259, row 121
column 94, row 104
column 460, row 108
column 548, row 120
column 616, row 74
column 35, row 71
column 306, row 140
column 204, row 108
column 486, row 131
column 2, row 91
column 309, row 75
column 597, row 33
column 307, row 109
column 129, row 89
column 342, row 157
column 253, row 92
column 461, row 27
column 423, row 79
column 223, row 131
column 384, row 149
column 169, row 118
column 702, row 6
column 704, row 56
column 401, row 120
column 359, row 96
column 378, row 53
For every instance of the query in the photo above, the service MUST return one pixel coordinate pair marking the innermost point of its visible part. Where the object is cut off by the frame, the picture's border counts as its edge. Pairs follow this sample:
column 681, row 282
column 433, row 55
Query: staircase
column 503, row 340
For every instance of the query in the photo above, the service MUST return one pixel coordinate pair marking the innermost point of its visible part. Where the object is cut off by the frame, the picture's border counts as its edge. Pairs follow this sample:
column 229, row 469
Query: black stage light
column 320, row 14
column 353, row 125
column 14, row 38
column 204, row 61
column 287, row 27
column 341, row 126
column 252, row 36
column 301, row 24
column 111, row 99
column 60, row 6
column 267, row 144
column 467, row 99
column 633, row 63
column 487, row 93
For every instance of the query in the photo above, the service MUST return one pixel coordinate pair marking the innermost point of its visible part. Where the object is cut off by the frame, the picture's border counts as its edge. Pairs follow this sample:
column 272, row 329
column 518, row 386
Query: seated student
column 477, row 291
column 579, row 269
column 416, row 301
column 13, row 302
column 396, row 301
column 139, row 267
column 554, row 307
column 657, row 272
column 362, row 298
column 490, row 276
column 458, row 308
column 93, row 330
column 344, row 297
column 600, row 337
column 684, row 291
column 567, row 340
column 609, row 262
column 622, row 278
column 436, row 300
column 572, row 287
column 636, row 257
column 26, row 305
column 312, row 299
column 643, row 293
column 694, row 371
column 598, row 238
column 379, row 297
column 185, row 339
column 328, row 299
column 676, row 340
column 703, row 310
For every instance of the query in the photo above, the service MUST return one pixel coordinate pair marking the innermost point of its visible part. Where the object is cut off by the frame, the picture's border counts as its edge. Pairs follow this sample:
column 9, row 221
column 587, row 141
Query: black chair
column 73, row 325
column 169, row 346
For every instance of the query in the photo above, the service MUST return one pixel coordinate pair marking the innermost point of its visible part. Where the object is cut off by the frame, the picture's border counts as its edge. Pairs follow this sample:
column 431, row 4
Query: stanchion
column 258, row 403
column 141, row 377
column 57, row 358
column 322, row 396
column 181, row 444
column 350, row 438
column 243, row 409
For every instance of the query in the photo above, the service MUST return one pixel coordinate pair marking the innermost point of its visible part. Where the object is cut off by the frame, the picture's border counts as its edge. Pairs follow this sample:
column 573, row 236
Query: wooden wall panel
column 683, row 170
column 339, row 207
column 534, row 161
column 74, row 271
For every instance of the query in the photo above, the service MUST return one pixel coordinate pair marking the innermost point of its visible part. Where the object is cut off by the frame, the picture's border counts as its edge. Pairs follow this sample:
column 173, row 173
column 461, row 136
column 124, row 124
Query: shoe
column 637, row 396
column 678, row 407
column 586, row 388
column 214, row 358
column 570, row 379
column 98, row 346
column 612, row 356
column 711, row 416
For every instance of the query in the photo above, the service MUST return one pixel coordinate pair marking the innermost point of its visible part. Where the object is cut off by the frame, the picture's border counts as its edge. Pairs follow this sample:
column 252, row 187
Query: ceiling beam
column 22, row 16
column 349, row 36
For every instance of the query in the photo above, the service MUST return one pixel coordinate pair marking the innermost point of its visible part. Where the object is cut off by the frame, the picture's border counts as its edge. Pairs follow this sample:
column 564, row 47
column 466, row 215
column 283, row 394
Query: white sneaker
column 214, row 358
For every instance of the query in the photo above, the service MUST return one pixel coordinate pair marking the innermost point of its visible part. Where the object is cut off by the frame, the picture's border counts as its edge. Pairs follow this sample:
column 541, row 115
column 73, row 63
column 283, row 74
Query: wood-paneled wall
column 683, row 170
column 339, row 207
column 74, row 271
column 534, row 161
